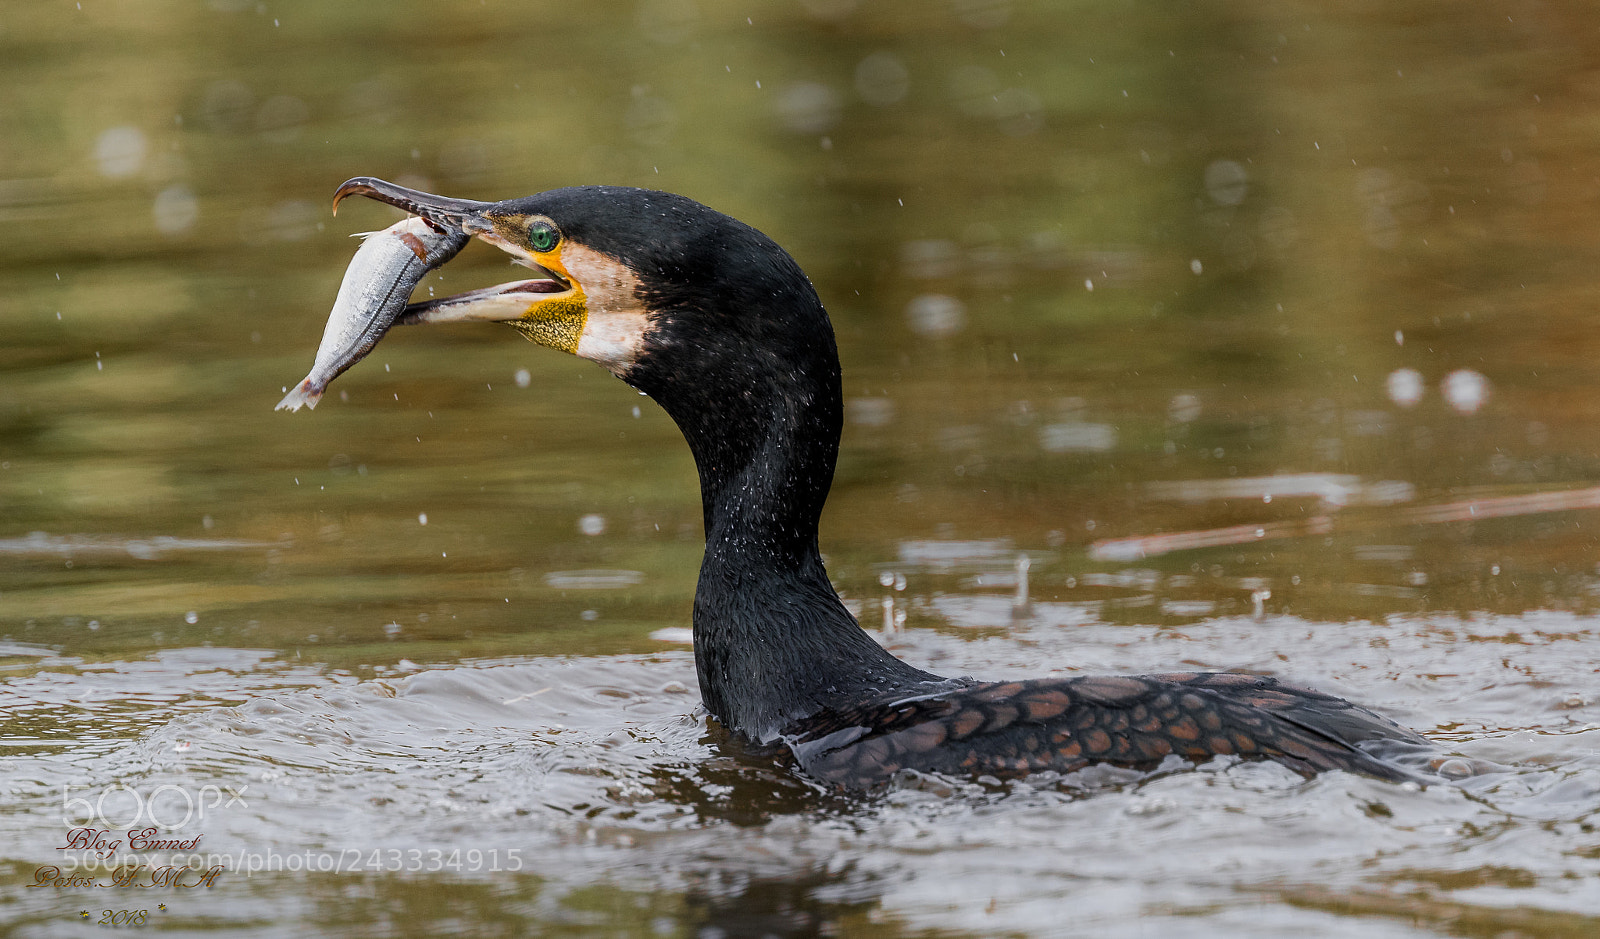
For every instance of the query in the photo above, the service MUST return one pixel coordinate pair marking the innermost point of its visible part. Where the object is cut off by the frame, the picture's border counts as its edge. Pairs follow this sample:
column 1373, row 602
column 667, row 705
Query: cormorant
column 721, row 327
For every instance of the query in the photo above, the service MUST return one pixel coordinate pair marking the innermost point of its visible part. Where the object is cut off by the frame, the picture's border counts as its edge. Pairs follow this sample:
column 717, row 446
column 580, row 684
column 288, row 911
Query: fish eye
column 542, row 236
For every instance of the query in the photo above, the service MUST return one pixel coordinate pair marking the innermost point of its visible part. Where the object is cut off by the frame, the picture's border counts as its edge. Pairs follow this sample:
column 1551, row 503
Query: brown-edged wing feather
column 1063, row 724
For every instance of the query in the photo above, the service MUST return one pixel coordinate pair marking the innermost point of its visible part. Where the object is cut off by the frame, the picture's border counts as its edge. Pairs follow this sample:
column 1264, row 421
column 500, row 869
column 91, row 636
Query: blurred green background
column 1071, row 250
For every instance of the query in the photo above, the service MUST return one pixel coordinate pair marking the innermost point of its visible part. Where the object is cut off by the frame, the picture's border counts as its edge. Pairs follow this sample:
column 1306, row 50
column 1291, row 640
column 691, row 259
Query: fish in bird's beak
column 377, row 283
column 508, row 231
column 583, row 301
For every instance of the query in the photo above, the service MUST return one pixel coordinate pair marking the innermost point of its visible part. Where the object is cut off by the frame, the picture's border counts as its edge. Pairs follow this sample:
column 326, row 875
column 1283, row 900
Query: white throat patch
column 613, row 333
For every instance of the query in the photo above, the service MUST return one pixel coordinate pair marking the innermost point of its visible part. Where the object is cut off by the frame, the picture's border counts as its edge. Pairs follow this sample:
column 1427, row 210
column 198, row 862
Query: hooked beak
column 463, row 215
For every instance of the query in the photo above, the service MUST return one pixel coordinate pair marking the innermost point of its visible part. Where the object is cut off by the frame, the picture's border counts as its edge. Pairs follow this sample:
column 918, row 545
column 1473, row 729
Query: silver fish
column 376, row 286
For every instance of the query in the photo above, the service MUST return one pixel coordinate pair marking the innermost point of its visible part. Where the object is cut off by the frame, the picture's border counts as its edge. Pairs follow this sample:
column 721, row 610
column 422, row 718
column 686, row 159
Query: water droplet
column 175, row 210
column 1404, row 386
column 1466, row 390
column 936, row 315
column 882, row 79
column 870, row 412
column 1227, row 182
column 1184, row 409
column 808, row 107
column 120, row 151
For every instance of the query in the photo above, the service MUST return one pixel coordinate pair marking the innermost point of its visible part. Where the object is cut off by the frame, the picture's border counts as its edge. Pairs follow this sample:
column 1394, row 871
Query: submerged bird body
column 721, row 327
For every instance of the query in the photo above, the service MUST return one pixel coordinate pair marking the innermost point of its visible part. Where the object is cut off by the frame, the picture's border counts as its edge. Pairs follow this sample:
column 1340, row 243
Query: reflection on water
column 1253, row 338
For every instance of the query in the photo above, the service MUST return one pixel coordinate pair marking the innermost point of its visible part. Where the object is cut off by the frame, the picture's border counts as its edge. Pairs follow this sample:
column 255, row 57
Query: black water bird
column 722, row 328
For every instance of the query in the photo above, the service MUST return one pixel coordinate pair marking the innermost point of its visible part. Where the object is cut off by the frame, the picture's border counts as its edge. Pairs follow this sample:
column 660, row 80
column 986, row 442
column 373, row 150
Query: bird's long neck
column 773, row 642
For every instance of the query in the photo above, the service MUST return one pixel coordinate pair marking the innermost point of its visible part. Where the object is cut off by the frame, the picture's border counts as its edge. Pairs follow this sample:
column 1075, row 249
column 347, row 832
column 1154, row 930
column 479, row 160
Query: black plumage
column 740, row 353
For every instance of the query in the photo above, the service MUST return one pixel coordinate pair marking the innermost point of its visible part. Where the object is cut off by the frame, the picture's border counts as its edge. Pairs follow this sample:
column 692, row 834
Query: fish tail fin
column 304, row 394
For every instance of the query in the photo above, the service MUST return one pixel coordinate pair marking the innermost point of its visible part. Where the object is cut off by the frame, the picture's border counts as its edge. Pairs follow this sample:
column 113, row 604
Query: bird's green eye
column 542, row 236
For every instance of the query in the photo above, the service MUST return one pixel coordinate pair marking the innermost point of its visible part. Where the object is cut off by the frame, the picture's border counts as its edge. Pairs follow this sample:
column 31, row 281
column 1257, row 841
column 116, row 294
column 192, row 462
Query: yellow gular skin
column 557, row 322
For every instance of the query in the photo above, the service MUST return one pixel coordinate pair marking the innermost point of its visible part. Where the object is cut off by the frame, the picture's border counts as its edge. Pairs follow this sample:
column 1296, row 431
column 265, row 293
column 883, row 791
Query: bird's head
column 696, row 309
column 627, row 275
